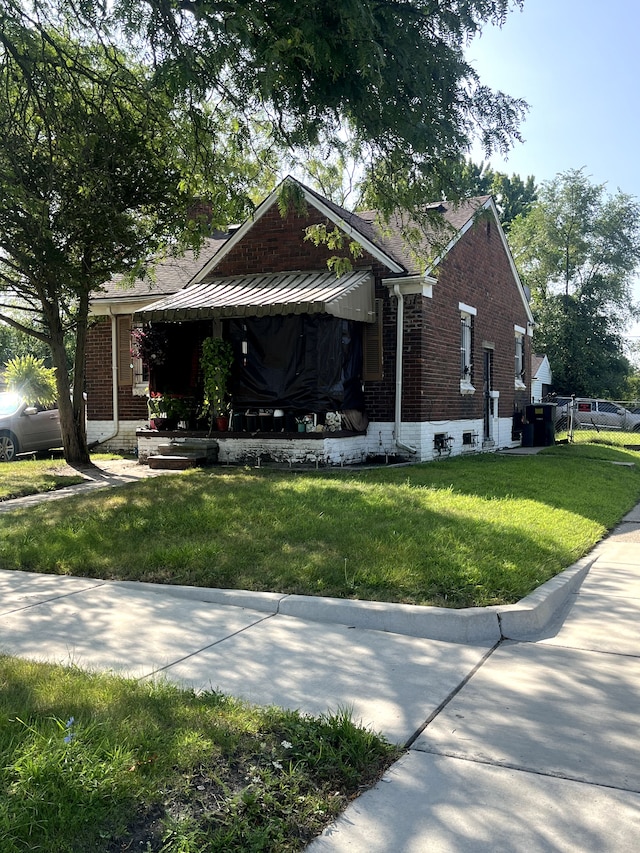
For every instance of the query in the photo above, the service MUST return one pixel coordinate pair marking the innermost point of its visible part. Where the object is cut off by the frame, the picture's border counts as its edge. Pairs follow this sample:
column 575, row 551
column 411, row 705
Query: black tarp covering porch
column 296, row 362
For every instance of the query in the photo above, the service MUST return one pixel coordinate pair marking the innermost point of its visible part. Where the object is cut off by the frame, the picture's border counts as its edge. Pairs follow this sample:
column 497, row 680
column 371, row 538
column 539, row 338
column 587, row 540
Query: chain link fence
column 586, row 419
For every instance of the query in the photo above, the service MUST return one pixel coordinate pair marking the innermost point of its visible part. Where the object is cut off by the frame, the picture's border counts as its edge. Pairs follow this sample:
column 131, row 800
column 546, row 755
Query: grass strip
column 465, row 532
column 102, row 763
column 33, row 476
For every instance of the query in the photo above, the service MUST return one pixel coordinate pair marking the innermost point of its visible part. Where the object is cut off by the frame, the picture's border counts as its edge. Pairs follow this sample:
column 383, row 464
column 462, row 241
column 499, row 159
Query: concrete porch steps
column 172, row 463
column 181, row 454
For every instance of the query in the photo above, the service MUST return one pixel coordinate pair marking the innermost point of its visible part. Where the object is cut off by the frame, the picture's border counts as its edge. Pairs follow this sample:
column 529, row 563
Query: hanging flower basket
column 150, row 345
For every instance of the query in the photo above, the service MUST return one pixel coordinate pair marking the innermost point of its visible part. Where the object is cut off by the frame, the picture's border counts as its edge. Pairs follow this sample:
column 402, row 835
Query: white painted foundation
column 325, row 450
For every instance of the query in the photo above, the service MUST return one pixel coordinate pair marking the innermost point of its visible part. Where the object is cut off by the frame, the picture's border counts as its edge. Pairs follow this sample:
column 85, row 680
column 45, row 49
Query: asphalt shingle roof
column 170, row 275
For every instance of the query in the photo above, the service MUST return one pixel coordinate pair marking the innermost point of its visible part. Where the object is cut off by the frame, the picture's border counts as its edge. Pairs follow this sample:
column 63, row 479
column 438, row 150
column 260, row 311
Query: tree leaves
column 578, row 249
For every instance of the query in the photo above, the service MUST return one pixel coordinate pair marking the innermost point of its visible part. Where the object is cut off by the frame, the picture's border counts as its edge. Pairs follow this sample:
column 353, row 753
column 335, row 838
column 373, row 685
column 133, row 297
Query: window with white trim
column 140, row 370
column 520, row 364
column 467, row 314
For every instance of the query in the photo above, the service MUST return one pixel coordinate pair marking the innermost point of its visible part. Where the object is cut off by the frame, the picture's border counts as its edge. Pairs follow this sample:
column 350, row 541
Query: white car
column 25, row 427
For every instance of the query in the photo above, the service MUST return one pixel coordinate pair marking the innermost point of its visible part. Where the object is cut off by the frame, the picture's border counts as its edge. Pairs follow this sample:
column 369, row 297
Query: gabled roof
column 386, row 242
column 359, row 230
column 429, row 240
column 537, row 361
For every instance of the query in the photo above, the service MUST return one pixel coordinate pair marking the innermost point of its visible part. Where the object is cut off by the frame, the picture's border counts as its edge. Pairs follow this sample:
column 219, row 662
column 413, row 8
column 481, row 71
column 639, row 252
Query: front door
column 487, row 371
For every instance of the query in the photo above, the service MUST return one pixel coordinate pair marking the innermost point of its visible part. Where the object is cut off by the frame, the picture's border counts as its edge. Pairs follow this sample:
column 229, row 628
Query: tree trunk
column 71, row 401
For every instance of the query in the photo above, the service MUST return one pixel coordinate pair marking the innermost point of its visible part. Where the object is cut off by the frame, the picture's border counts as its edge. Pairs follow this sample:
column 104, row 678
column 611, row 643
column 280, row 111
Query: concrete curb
column 470, row 625
column 534, row 612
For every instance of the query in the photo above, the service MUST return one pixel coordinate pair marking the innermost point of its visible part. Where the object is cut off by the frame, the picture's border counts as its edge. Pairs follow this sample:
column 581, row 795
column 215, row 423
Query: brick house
column 422, row 350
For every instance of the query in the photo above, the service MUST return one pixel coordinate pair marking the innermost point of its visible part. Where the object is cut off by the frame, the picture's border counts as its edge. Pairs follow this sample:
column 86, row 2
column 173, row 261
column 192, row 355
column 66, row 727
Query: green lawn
column 467, row 531
column 97, row 764
column 32, row 476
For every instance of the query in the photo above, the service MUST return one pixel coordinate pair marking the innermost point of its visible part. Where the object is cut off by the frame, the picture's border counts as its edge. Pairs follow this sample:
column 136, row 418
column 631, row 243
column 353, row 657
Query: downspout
column 399, row 349
column 114, row 380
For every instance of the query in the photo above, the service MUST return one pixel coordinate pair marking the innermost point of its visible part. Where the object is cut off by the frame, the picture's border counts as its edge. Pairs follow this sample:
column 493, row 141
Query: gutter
column 399, row 348
column 114, row 381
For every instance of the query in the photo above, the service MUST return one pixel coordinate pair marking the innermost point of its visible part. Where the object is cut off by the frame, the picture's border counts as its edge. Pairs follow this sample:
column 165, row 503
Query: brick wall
column 380, row 396
column 277, row 244
column 98, row 379
column 98, row 370
column 476, row 272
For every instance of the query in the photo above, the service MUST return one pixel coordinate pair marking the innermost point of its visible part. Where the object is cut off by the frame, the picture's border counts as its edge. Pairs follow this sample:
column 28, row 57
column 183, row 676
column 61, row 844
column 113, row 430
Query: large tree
column 394, row 73
column 96, row 175
column 513, row 195
column 578, row 249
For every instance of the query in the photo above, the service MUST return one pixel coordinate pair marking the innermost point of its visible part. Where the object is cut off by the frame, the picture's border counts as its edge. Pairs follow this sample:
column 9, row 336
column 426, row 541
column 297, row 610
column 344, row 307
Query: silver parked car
column 596, row 414
column 25, row 428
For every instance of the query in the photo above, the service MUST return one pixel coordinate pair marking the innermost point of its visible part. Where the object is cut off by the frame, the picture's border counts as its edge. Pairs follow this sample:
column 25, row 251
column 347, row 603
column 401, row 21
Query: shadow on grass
column 446, row 534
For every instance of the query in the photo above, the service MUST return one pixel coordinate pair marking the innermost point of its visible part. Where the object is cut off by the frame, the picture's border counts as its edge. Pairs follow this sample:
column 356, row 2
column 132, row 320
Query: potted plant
column 169, row 410
column 216, row 361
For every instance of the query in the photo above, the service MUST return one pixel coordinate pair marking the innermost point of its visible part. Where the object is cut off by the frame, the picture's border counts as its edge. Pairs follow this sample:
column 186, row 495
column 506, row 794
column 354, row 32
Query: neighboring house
column 541, row 378
column 420, row 363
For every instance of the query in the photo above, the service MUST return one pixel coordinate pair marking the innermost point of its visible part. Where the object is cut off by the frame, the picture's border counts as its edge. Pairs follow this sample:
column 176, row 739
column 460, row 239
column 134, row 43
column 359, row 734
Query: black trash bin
column 542, row 417
column 527, row 435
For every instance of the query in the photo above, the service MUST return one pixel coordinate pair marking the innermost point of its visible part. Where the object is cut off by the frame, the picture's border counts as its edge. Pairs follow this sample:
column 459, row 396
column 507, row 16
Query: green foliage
column 216, row 362
column 632, row 386
column 98, row 170
column 334, row 240
column 578, row 249
column 394, row 74
column 585, row 351
column 29, row 377
column 14, row 343
column 291, row 199
column 512, row 195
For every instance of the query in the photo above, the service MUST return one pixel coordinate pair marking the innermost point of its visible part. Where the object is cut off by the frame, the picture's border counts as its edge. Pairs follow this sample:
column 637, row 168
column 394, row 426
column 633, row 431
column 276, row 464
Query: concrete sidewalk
column 520, row 740
column 538, row 750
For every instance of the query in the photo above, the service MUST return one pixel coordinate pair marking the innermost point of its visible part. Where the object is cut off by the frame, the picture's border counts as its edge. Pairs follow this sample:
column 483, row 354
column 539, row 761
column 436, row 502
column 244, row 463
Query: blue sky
column 577, row 64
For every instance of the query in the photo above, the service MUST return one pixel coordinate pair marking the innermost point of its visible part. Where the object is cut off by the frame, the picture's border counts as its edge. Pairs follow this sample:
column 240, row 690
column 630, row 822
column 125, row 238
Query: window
column 520, row 368
column 372, row 347
column 467, row 314
column 131, row 371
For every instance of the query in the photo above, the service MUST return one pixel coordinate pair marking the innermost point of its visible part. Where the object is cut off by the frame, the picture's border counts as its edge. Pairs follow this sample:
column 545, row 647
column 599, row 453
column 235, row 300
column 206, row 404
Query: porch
column 319, row 449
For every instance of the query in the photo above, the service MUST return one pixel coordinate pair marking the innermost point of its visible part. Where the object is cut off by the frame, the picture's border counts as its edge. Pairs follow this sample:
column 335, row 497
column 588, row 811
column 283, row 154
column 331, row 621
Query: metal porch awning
column 351, row 297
